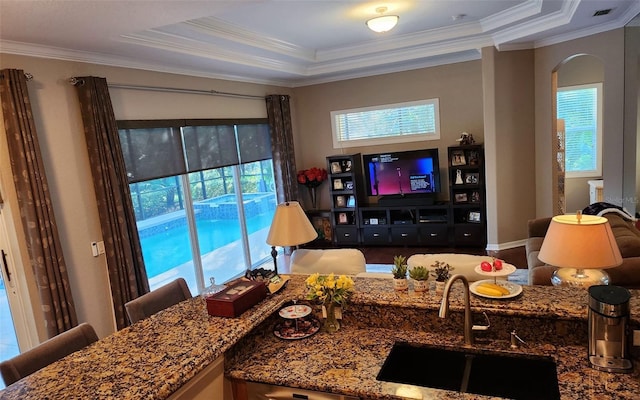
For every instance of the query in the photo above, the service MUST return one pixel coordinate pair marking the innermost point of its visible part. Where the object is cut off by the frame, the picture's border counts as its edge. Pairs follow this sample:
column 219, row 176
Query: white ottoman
column 337, row 261
column 463, row 264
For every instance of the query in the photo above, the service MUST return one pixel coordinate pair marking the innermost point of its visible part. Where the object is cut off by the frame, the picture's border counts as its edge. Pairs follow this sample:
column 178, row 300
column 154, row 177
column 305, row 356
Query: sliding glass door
column 211, row 221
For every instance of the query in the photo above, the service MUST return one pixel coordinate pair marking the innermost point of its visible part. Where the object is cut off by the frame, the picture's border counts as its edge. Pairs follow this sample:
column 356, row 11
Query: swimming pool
column 166, row 244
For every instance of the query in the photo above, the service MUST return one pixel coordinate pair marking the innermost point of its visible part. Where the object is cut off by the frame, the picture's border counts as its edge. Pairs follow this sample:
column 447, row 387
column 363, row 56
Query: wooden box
column 236, row 299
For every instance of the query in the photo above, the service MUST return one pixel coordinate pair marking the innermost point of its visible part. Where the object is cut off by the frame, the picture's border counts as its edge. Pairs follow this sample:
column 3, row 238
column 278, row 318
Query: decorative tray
column 513, row 288
column 295, row 311
column 292, row 329
column 507, row 269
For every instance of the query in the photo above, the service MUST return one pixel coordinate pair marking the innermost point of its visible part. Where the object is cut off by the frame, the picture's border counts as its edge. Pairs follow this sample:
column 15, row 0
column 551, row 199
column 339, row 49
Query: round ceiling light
column 383, row 23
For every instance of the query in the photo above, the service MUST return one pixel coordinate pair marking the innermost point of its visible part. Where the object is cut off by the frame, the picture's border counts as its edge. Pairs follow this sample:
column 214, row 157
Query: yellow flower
column 329, row 288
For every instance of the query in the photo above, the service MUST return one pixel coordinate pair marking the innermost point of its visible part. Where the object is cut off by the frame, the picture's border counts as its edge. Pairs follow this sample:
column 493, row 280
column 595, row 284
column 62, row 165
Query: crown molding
column 511, row 15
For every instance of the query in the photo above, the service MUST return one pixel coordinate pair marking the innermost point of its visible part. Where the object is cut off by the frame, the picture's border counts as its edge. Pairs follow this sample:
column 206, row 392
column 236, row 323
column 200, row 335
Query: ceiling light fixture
column 383, row 23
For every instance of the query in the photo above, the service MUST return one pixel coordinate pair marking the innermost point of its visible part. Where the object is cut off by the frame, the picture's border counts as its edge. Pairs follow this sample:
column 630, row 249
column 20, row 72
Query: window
column 581, row 109
column 392, row 123
column 203, row 194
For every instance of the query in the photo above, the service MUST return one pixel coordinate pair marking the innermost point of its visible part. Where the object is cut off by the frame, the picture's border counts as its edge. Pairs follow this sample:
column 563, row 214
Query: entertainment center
column 406, row 186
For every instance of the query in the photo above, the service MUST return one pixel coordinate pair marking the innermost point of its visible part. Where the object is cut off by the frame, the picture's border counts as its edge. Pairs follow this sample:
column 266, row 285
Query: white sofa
column 461, row 263
column 337, row 261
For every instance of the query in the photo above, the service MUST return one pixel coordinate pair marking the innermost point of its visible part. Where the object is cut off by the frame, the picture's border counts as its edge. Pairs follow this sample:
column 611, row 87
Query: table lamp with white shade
column 581, row 246
column 290, row 227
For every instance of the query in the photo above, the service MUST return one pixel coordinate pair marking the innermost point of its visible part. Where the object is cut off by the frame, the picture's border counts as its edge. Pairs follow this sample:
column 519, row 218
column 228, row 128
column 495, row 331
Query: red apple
column 486, row 266
column 497, row 264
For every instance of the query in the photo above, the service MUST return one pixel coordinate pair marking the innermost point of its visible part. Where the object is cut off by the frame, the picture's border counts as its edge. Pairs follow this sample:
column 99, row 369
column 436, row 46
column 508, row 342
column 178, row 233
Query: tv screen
column 402, row 173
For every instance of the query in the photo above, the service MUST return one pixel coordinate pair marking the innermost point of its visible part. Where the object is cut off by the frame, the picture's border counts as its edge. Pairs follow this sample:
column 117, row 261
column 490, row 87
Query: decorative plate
column 513, row 288
column 292, row 329
column 507, row 269
column 295, row 311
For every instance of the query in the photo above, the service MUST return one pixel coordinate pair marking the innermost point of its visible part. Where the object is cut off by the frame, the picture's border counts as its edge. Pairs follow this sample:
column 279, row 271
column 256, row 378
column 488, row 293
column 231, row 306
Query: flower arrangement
column 329, row 289
column 312, row 177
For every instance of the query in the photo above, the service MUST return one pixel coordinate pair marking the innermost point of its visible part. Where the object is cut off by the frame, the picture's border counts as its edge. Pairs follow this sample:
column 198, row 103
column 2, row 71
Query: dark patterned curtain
column 284, row 160
column 117, row 220
column 34, row 201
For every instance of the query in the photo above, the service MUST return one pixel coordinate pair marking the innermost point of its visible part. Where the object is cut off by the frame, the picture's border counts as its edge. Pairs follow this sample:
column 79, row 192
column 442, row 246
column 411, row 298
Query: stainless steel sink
column 465, row 370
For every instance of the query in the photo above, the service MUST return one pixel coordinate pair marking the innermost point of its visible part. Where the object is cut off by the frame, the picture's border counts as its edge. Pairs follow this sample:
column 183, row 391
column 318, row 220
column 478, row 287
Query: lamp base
column 583, row 278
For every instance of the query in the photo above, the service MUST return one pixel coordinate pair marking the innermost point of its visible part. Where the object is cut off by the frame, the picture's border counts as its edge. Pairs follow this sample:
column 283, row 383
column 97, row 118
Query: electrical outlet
column 101, row 247
column 636, row 338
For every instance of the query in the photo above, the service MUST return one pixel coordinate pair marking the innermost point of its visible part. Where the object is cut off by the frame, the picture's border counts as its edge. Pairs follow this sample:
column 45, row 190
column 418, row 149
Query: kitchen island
column 155, row 358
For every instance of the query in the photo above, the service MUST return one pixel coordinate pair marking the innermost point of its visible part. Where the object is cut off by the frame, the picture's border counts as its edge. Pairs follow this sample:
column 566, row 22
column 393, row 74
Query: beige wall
column 61, row 135
column 509, row 132
column 609, row 48
column 457, row 86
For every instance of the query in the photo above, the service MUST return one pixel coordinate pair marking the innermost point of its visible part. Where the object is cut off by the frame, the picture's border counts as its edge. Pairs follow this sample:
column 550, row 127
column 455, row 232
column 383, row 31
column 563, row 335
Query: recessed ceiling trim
column 166, row 41
column 220, row 29
column 511, row 15
column 402, row 55
column 401, row 41
column 550, row 21
column 54, row 53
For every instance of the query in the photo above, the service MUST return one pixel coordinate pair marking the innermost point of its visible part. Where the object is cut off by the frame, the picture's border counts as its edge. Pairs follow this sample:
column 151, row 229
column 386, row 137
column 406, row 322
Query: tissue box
column 236, row 298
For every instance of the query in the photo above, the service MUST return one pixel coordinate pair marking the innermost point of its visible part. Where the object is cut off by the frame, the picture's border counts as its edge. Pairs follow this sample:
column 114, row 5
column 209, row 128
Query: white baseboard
column 505, row 246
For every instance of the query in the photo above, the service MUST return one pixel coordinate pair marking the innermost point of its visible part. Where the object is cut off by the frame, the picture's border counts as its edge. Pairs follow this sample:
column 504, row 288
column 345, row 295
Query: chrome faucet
column 444, row 307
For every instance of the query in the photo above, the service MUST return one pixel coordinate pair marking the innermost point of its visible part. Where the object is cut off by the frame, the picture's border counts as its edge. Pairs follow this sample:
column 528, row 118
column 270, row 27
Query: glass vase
column 314, row 198
column 331, row 323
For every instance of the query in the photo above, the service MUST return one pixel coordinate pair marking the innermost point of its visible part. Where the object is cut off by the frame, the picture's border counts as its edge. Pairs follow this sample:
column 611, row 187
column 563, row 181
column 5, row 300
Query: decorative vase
column 331, row 323
column 400, row 284
column 421, row 286
column 314, row 199
column 440, row 287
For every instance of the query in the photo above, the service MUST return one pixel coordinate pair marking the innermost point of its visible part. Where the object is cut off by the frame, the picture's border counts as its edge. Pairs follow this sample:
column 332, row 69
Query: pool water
column 168, row 249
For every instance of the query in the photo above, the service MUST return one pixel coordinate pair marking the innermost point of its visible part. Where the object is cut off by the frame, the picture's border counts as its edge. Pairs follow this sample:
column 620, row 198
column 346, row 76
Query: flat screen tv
column 415, row 172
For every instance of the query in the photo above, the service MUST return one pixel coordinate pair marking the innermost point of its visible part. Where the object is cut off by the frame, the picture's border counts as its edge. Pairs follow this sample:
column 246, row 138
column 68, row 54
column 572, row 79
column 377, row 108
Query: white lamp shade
column 290, row 226
column 383, row 24
column 581, row 242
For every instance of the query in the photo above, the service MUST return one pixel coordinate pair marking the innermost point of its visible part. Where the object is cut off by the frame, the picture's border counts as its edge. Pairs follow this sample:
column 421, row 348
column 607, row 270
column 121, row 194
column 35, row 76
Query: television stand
column 405, row 200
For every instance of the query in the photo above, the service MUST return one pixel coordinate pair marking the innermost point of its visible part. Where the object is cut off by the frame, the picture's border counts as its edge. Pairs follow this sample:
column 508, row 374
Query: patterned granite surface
column 153, row 358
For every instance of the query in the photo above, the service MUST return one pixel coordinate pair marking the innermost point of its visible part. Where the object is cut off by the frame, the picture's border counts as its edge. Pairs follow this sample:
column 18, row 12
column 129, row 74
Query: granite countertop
column 155, row 357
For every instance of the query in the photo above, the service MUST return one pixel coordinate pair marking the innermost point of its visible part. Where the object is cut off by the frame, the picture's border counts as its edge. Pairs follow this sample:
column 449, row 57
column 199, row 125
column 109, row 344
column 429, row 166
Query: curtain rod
column 75, row 81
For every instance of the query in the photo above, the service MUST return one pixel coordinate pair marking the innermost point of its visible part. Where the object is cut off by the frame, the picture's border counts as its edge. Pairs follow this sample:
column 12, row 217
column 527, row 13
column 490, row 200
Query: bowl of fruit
column 495, row 268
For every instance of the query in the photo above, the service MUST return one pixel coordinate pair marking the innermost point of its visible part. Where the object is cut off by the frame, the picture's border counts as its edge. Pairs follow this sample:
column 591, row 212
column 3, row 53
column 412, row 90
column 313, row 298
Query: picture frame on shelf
column 335, row 167
column 474, row 216
column 461, row 198
column 346, row 166
column 351, row 201
column 337, row 184
column 475, row 197
column 348, row 185
column 323, row 227
column 472, row 178
column 474, row 158
column 340, row 201
column 342, row 218
column 458, row 158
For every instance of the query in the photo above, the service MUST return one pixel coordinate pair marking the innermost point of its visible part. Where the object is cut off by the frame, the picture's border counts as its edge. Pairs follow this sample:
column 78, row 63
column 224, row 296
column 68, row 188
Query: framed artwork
column 346, row 166
column 335, row 167
column 458, row 158
column 348, row 185
column 461, row 198
column 337, row 184
column 475, row 197
column 474, row 216
column 340, row 201
column 472, row 178
column 322, row 224
column 342, row 218
column 473, row 157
